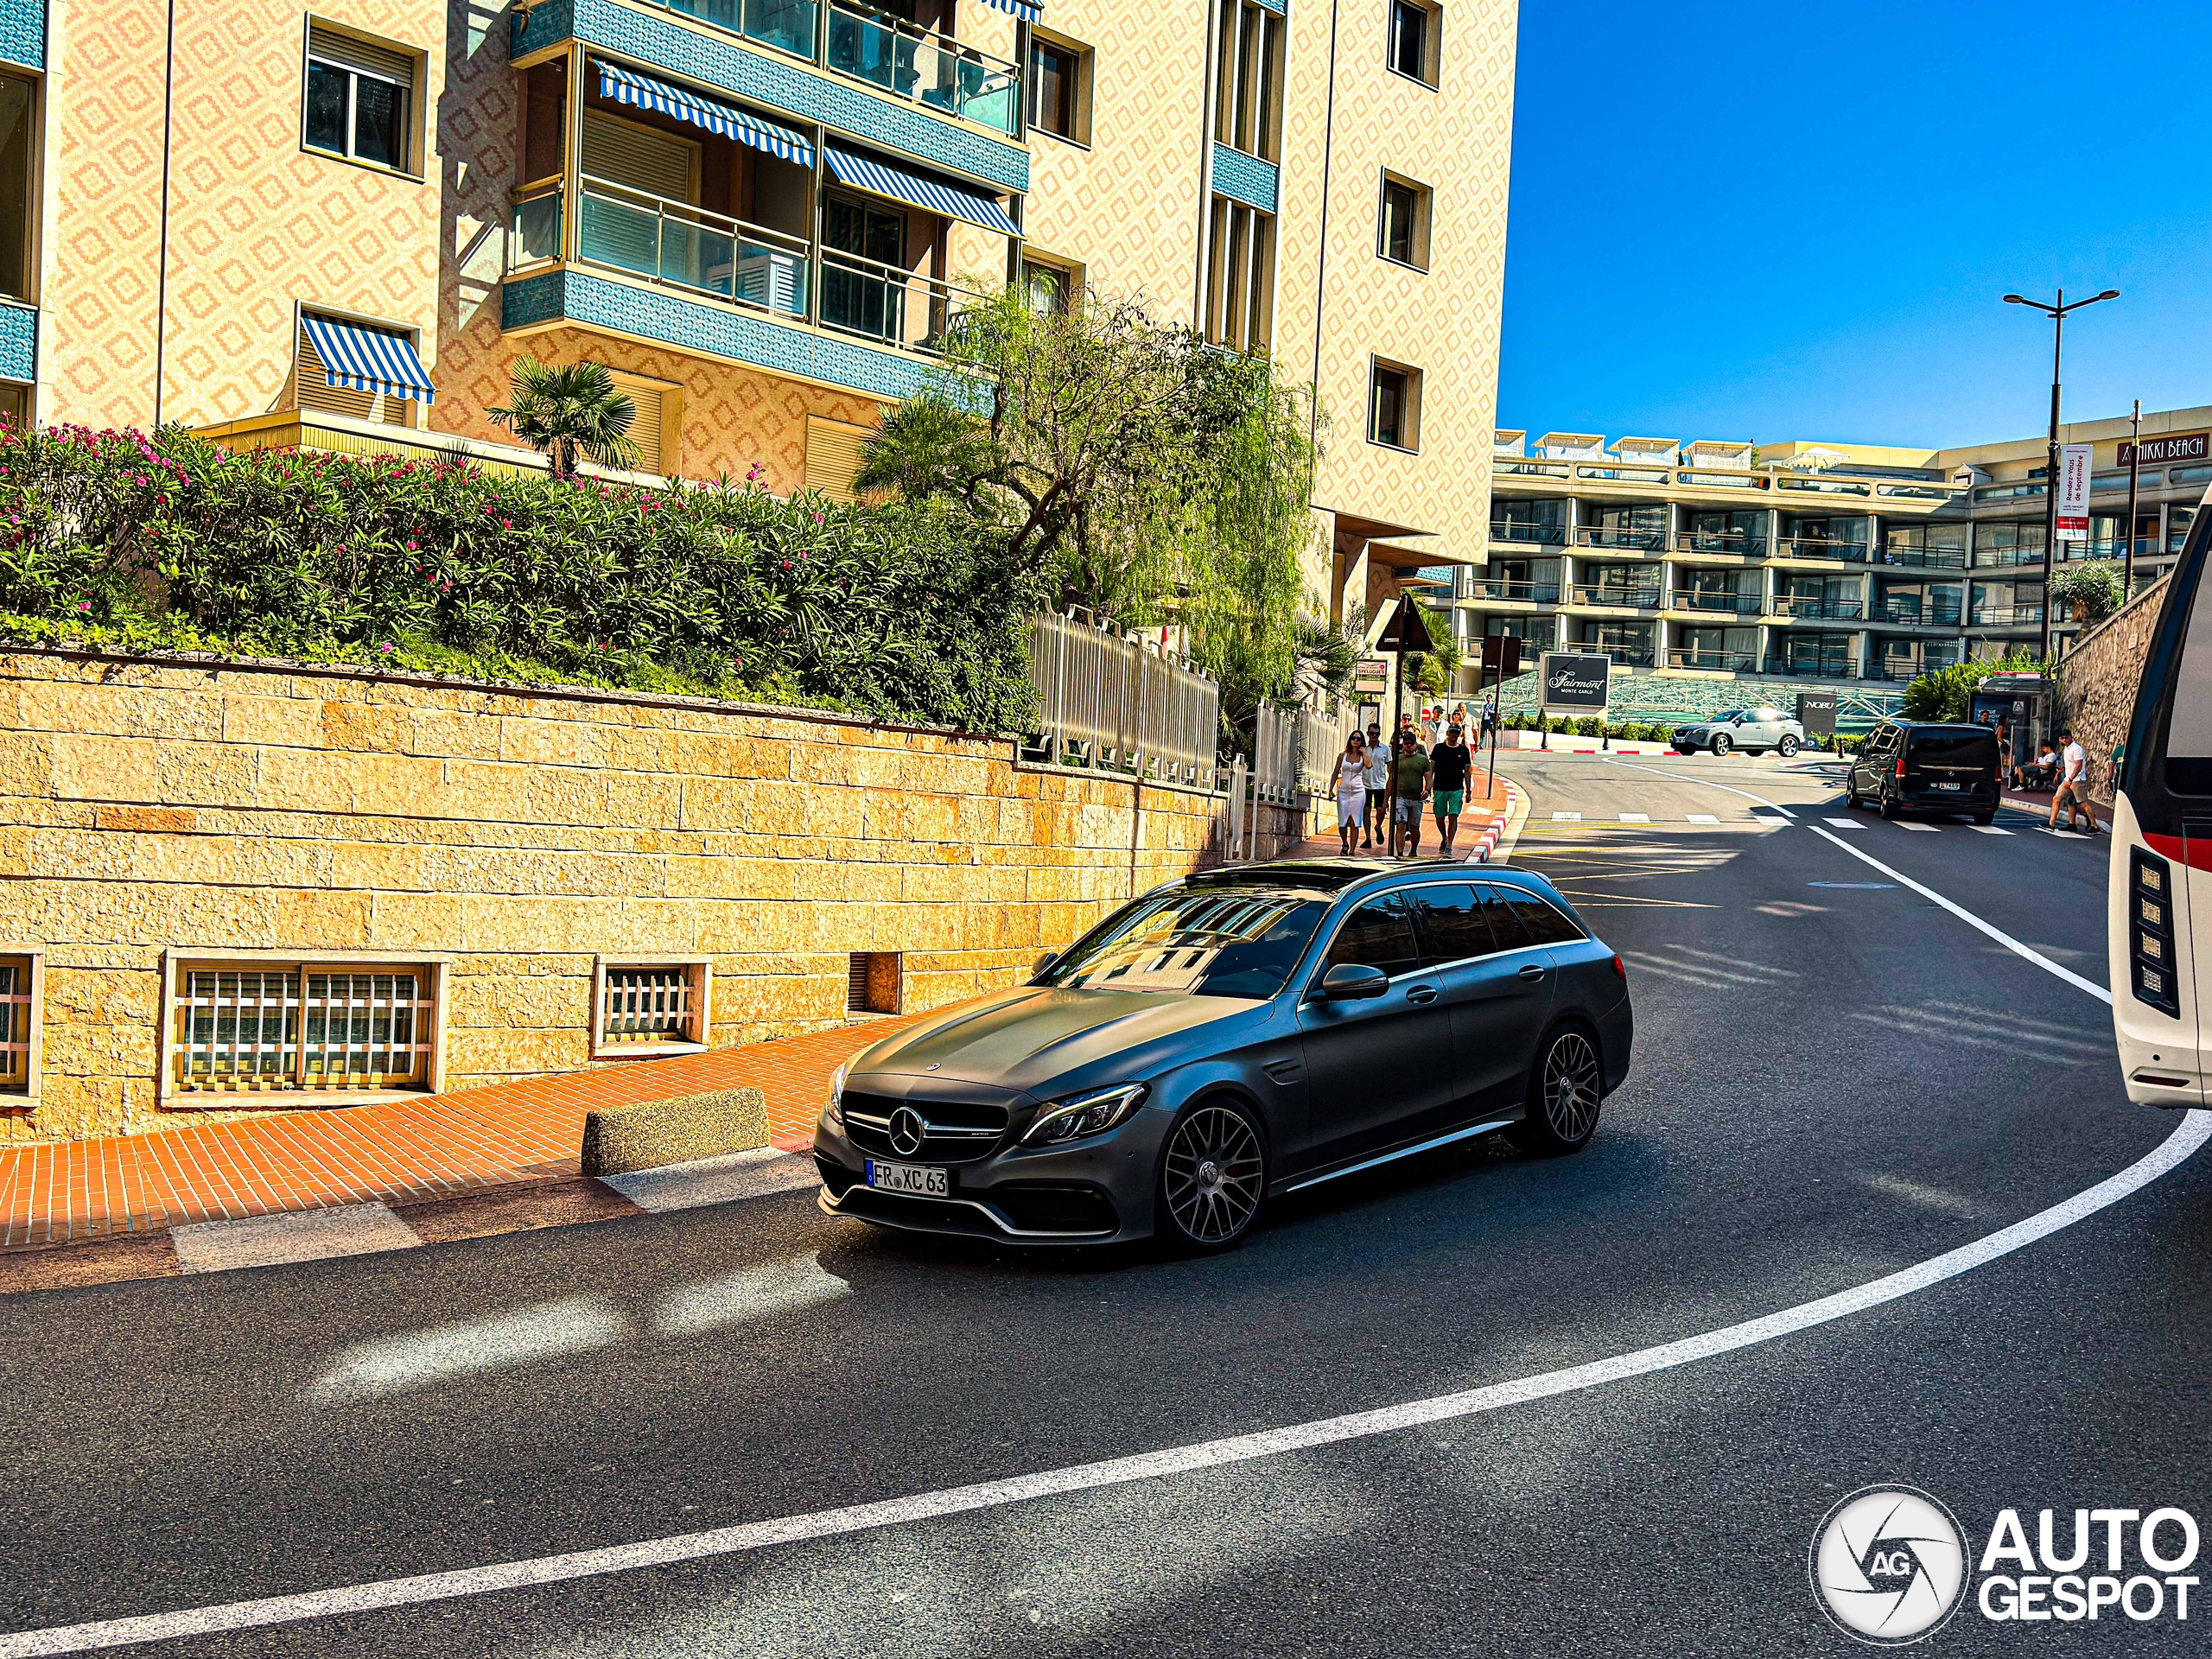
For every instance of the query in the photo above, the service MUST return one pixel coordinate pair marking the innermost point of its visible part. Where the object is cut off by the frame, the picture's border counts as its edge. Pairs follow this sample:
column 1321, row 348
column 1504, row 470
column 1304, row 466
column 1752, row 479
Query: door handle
column 1532, row 972
column 1422, row 996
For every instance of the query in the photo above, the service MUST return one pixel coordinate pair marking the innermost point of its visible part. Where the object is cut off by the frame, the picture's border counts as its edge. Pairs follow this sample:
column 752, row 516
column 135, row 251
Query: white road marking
column 1635, row 818
column 2194, row 1129
column 1701, row 817
column 716, row 1181
column 1846, row 823
column 1988, row 830
column 1567, row 817
column 298, row 1235
column 1972, row 920
column 1922, row 829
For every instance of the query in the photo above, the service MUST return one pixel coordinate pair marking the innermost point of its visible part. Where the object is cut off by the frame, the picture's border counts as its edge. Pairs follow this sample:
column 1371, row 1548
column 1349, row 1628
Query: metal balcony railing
column 1794, row 607
column 1729, row 543
column 1820, row 668
column 1527, row 535
column 2004, row 616
column 1650, row 541
column 2006, row 558
column 891, row 304
column 1623, row 656
column 1819, row 547
column 1620, row 598
column 1725, row 662
column 1931, row 559
column 1688, row 599
column 1916, row 616
column 1525, row 593
column 931, row 69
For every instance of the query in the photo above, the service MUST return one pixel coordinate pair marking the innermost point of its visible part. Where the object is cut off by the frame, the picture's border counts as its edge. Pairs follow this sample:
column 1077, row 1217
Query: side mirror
column 1044, row 964
column 1351, row 982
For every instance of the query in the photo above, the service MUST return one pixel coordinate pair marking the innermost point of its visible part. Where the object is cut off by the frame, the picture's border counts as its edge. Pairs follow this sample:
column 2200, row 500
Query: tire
column 1213, row 1175
column 1787, row 748
column 1985, row 819
column 1851, row 791
column 1720, row 743
column 1566, row 1087
column 1890, row 810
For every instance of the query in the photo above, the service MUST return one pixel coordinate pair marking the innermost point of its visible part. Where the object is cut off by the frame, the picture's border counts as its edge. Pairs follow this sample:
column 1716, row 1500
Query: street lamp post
column 2134, row 488
column 2057, row 313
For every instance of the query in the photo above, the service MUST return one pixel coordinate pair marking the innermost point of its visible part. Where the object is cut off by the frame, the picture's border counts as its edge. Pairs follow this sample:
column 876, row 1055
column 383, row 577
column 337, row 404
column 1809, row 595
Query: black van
column 1921, row 766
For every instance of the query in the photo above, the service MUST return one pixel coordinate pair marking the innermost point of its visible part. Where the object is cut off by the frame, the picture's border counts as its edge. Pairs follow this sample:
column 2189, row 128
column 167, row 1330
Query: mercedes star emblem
column 907, row 1131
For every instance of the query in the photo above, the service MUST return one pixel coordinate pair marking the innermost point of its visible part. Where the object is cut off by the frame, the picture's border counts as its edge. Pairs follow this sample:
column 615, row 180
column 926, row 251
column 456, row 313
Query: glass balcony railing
column 1808, row 608
column 1813, row 668
column 1730, row 544
column 2005, row 616
column 1538, row 535
column 2006, row 558
column 1621, row 536
column 1724, row 662
column 787, row 25
column 1819, row 547
column 1931, row 559
column 887, row 303
column 1637, row 598
column 1686, row 599
column 1917, row 616
column 1524, row 593
column 687, row 247
column 1623, row 656
column 912, row 62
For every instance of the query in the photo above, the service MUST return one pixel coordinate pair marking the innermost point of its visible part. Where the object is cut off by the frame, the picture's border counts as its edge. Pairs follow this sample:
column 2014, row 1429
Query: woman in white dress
column 1351, row 788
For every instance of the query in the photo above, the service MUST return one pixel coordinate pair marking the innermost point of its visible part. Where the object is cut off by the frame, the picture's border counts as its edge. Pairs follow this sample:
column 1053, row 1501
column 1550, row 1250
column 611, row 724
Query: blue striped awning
column 886, row 180
column 1028, row 10
column 368, row 359
column 628, row 86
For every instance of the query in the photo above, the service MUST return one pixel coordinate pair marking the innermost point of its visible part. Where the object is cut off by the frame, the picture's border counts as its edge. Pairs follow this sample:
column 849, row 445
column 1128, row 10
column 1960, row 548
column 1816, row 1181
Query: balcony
column 926, row 69
column 1792, row 608
column 1623, row 656
column 1715, row 662
column 1630, row 540
column 1615, row 598
column 1821, row 668
column 1916, row 616
column 1516, row 535
column 1819, row 547
column 1720, row 543
column 2006, row 616
column 787, row 25
column 2007, row 558
column 1728, row 604
column 1514, row 592
column 1926, row 558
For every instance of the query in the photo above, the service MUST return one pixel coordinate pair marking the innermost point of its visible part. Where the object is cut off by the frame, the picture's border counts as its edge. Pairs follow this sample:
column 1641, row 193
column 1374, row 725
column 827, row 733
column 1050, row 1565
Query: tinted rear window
column 1954, row 748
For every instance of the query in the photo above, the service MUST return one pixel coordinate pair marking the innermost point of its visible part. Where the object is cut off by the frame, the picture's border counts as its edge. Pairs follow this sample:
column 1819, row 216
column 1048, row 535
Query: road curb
column 1498, row 840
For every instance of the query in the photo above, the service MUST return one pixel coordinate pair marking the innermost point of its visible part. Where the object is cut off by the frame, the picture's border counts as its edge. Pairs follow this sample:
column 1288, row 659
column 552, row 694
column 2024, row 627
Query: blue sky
column 1794, row 221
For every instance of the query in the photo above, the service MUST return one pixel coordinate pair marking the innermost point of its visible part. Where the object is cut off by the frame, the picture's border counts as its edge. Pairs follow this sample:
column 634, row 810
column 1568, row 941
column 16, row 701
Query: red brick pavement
column 394, row 1151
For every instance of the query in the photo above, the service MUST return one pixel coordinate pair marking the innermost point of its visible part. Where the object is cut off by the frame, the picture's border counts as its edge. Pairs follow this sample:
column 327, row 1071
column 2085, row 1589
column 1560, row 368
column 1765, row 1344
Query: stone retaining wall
column 2097, row 680
column 162, row 806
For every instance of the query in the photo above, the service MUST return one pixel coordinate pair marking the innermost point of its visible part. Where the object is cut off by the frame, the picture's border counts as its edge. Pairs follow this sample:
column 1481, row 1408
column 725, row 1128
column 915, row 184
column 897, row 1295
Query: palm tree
column 562, row 413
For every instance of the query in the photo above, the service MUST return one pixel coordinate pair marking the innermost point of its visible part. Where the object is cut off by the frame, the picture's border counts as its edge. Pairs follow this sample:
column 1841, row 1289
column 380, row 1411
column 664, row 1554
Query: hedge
column 898, row 609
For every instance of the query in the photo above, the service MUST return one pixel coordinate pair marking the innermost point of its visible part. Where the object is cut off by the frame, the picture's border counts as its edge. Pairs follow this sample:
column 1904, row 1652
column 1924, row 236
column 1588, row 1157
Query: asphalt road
column 1835, row 1079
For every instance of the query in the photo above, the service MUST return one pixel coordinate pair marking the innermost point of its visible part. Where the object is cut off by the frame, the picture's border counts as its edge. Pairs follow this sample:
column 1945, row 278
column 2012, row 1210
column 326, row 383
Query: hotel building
column 337, row 225
column 1712, row 561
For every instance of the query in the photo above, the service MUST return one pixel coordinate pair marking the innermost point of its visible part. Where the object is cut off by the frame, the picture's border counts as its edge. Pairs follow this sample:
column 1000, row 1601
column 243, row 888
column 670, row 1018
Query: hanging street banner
column 1576, row 684
column 2073, row 493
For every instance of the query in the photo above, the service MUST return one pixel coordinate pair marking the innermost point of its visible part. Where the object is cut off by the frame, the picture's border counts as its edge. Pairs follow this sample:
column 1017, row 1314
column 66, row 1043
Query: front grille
column 960, row 1132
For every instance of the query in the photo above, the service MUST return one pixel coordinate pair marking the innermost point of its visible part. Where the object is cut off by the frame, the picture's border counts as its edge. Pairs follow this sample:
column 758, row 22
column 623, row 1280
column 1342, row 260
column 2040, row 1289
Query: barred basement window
column 872, row 983
column 649, row 1007
column 252, row 1029
column 19, row 1016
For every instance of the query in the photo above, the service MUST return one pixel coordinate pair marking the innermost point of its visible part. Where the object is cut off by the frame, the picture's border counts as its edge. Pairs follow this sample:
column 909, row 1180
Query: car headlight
column 1084, row 1115
column 835, row 1114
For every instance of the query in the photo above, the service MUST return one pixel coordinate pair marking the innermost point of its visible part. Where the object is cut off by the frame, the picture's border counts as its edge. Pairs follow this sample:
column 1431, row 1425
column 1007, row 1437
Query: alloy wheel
column 1212, row 1174
column 1571, row 1087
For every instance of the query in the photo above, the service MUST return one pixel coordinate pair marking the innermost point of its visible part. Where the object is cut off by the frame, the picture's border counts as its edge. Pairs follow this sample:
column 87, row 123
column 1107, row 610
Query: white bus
column 2161, row 880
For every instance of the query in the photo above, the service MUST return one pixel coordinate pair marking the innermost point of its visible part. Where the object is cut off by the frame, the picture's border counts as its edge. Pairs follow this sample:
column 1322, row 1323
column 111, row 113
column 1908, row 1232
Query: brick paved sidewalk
column 399, row 1152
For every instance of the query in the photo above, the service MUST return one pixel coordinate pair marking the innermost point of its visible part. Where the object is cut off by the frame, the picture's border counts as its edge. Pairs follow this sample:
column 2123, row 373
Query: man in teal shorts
column 1450, row 762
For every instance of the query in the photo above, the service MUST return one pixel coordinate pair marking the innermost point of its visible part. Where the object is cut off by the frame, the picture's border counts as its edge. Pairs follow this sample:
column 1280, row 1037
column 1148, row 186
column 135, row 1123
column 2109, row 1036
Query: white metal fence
column 1122, row 704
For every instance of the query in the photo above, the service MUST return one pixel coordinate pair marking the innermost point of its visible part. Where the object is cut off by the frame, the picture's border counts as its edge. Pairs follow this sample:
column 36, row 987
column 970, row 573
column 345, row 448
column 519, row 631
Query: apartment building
column 337, row 225
column 1809, row 562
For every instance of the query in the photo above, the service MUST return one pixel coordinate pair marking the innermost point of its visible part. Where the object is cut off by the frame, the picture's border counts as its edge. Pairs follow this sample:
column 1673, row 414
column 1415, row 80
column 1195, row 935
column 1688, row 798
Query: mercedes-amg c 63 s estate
column 1229, row 1038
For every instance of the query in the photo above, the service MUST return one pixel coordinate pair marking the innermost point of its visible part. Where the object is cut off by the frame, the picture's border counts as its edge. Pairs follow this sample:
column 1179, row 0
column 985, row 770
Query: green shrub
column 2091, row 586
column 896, row 610
column 1948, row 693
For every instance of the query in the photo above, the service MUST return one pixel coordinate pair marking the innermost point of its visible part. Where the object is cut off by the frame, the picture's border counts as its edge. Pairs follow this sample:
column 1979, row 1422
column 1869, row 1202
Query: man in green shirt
column 1409, row 770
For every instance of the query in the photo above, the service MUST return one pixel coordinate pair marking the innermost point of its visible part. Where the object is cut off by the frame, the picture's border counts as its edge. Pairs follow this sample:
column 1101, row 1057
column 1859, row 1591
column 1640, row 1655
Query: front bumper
column 1097, row 1191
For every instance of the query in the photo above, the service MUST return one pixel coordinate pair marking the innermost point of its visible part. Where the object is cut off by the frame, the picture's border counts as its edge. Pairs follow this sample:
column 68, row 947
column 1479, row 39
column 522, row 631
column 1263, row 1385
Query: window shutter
column 362, row 56
column 645, row 427
column 833, row 457
column 638, row 158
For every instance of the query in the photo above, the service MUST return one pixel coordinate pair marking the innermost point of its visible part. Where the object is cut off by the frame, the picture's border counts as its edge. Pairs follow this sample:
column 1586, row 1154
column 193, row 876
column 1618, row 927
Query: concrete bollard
column 652, row 1133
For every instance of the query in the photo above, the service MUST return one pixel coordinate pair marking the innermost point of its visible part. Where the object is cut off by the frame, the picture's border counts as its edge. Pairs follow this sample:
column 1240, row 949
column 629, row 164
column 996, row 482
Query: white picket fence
column 1119, row 704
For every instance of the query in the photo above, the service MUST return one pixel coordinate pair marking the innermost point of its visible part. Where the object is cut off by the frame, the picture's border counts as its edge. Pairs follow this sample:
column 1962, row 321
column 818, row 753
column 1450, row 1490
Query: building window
column 251, row 1028
column 15, row 404
column 360, row 99
column 1247, row 79
column 649, row 1007
column 1415, row 31
column 20, row 989
column 872, row 983
column 1059, row 88
column 311, row 380
column 18, row 183
column 1393, row 406
column 1049, row 288
column 656, row 423
column 1240, row 277
column 1402, row 236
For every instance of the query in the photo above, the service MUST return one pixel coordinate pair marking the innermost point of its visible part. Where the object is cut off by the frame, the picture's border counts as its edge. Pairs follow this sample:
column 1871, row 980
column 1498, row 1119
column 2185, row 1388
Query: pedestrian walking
column 2004, row 750
column 1352, row 790
column 2072, row 785
column 1450, row 762
column 1409, row 770
column 1377, row 827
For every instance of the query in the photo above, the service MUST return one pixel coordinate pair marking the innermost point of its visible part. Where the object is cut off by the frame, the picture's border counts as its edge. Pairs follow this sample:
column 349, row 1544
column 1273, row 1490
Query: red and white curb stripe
column 1514, row 803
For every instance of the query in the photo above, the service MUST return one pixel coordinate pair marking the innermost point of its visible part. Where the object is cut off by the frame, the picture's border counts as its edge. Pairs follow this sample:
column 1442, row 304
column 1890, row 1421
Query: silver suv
column 1752, row 730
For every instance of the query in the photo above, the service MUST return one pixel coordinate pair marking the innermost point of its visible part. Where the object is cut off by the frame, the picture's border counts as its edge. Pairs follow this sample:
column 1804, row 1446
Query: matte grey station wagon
column 1230, row 1038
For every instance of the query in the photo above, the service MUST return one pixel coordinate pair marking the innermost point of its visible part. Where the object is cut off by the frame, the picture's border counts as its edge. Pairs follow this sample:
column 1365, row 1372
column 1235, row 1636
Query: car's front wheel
column 1566, row 1087
column 1720, row 743
column 1212, row 1176
column 1788, row 748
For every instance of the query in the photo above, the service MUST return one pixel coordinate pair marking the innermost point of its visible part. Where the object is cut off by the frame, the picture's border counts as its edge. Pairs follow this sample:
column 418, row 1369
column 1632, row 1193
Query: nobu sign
column 1575, row 682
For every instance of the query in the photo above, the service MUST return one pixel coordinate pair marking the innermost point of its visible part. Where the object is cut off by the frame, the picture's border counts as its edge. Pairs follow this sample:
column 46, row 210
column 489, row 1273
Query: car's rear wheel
column 1788, row 748
column 1566, row 1087
column 1212, row 1176
column 1720, row 743
column 1985, row 819
column 1889, row 809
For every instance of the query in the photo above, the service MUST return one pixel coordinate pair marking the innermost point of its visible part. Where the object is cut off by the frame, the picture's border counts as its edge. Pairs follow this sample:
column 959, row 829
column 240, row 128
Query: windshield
column 1217, row 942
column 1732, row 713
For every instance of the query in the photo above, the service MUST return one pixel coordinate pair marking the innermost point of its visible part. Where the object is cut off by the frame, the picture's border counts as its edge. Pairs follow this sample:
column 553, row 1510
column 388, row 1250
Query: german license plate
column 919, row 1180
column 1951, row 786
